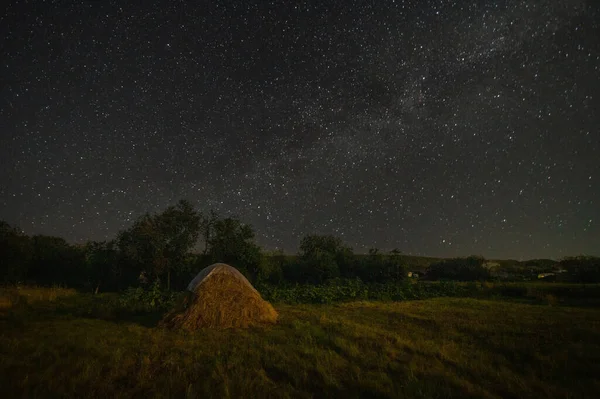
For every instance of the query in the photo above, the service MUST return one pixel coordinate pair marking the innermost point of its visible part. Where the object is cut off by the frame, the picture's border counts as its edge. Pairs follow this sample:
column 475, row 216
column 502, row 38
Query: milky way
column 435, row 127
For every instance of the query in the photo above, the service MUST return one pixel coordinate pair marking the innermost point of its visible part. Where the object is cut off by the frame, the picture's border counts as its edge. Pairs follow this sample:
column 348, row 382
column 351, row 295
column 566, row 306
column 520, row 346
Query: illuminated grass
column 444, row 347
column 11, row 296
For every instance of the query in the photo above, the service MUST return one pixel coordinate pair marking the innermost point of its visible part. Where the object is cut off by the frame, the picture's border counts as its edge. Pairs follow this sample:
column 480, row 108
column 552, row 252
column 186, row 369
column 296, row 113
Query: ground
column 435, row 348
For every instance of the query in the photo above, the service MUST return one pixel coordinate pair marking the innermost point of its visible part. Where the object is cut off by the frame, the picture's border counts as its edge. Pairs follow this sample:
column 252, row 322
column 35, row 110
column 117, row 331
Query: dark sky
column 440, row 128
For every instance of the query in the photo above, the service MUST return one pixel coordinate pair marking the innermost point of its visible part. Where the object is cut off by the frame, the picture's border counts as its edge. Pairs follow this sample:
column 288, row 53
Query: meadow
column 487, row 341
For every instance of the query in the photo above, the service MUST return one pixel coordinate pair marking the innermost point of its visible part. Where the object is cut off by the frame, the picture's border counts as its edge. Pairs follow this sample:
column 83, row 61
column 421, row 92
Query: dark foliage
column 459, row 269
column 55, row 261
column 15, row 254
column 158, row 244
column 232, row 242
column 159, row 248
column 380, row 268
column 582, row 269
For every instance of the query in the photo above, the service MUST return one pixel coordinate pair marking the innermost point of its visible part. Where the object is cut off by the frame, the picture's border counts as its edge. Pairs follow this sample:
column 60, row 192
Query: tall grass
column 81, row 346
column 14, row 295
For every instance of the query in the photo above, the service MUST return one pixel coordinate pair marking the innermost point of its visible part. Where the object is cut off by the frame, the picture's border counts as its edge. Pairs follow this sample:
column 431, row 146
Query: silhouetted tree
column 273, row 268
column 395, row 252
column 376, row 267
column 55, row 261
column 232, row 242
column 323, row 257
column 102, row 259
column 394, row 268
column 159, row 243
column 15, row 254
column 207, row 226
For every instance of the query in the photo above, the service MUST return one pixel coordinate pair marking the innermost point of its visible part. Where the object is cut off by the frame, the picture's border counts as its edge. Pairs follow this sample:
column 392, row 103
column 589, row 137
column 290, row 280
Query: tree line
column 172, row 246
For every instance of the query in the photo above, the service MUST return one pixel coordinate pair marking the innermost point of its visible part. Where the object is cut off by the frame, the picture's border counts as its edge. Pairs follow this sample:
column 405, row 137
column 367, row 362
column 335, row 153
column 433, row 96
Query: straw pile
column 220, row 297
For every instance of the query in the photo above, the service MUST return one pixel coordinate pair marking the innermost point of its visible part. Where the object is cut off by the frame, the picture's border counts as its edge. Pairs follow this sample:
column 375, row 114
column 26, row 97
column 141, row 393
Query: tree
column 377, row 267
column 273, row 264
column 312, row 244
column 102, row 259
column 207, row 226
column 323, row 257
column 55, row 261
column 394, row 268
column 15, row 254
column 395, row 252
column 159, row 243
column 141, row 246
column 180, row 227
column 371, row 269
column 233, row 242
column 346, row 261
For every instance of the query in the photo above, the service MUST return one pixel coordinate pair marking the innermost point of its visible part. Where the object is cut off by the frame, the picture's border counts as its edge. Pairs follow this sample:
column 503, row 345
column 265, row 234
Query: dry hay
column 220, row 300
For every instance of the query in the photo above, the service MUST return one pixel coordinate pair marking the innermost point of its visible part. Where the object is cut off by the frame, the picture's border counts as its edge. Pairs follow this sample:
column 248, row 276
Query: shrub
column 153, row 298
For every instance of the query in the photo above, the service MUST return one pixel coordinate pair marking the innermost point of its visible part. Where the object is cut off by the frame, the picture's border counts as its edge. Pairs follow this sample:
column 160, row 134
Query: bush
column 153, row 298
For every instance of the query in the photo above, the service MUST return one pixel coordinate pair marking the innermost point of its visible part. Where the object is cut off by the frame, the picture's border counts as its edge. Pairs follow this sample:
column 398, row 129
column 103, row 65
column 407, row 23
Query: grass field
column 63, row 344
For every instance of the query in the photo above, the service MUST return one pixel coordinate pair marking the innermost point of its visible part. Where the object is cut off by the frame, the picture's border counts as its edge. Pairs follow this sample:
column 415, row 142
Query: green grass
column 85, row 346
column 12, row 296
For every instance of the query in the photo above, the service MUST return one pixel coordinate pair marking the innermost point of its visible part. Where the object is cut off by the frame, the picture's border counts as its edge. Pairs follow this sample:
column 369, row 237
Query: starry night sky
column 440, row 128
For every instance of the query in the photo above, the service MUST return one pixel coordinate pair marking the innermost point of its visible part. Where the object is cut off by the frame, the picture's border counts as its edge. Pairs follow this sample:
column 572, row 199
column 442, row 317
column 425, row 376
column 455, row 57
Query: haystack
column 220, row 297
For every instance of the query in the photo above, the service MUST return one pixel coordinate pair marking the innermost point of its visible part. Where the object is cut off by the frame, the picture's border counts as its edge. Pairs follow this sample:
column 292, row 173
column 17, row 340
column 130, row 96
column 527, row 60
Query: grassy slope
column 419, row 349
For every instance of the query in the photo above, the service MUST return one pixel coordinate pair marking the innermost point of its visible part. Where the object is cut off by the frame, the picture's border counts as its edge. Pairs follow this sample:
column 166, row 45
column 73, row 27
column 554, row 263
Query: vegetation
column 81, row 320
column 356, row 290
column 582, row 269
column 64, row 344
column 163, row 247
column 232, row 242
column 157, row 244
column 459, row 269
